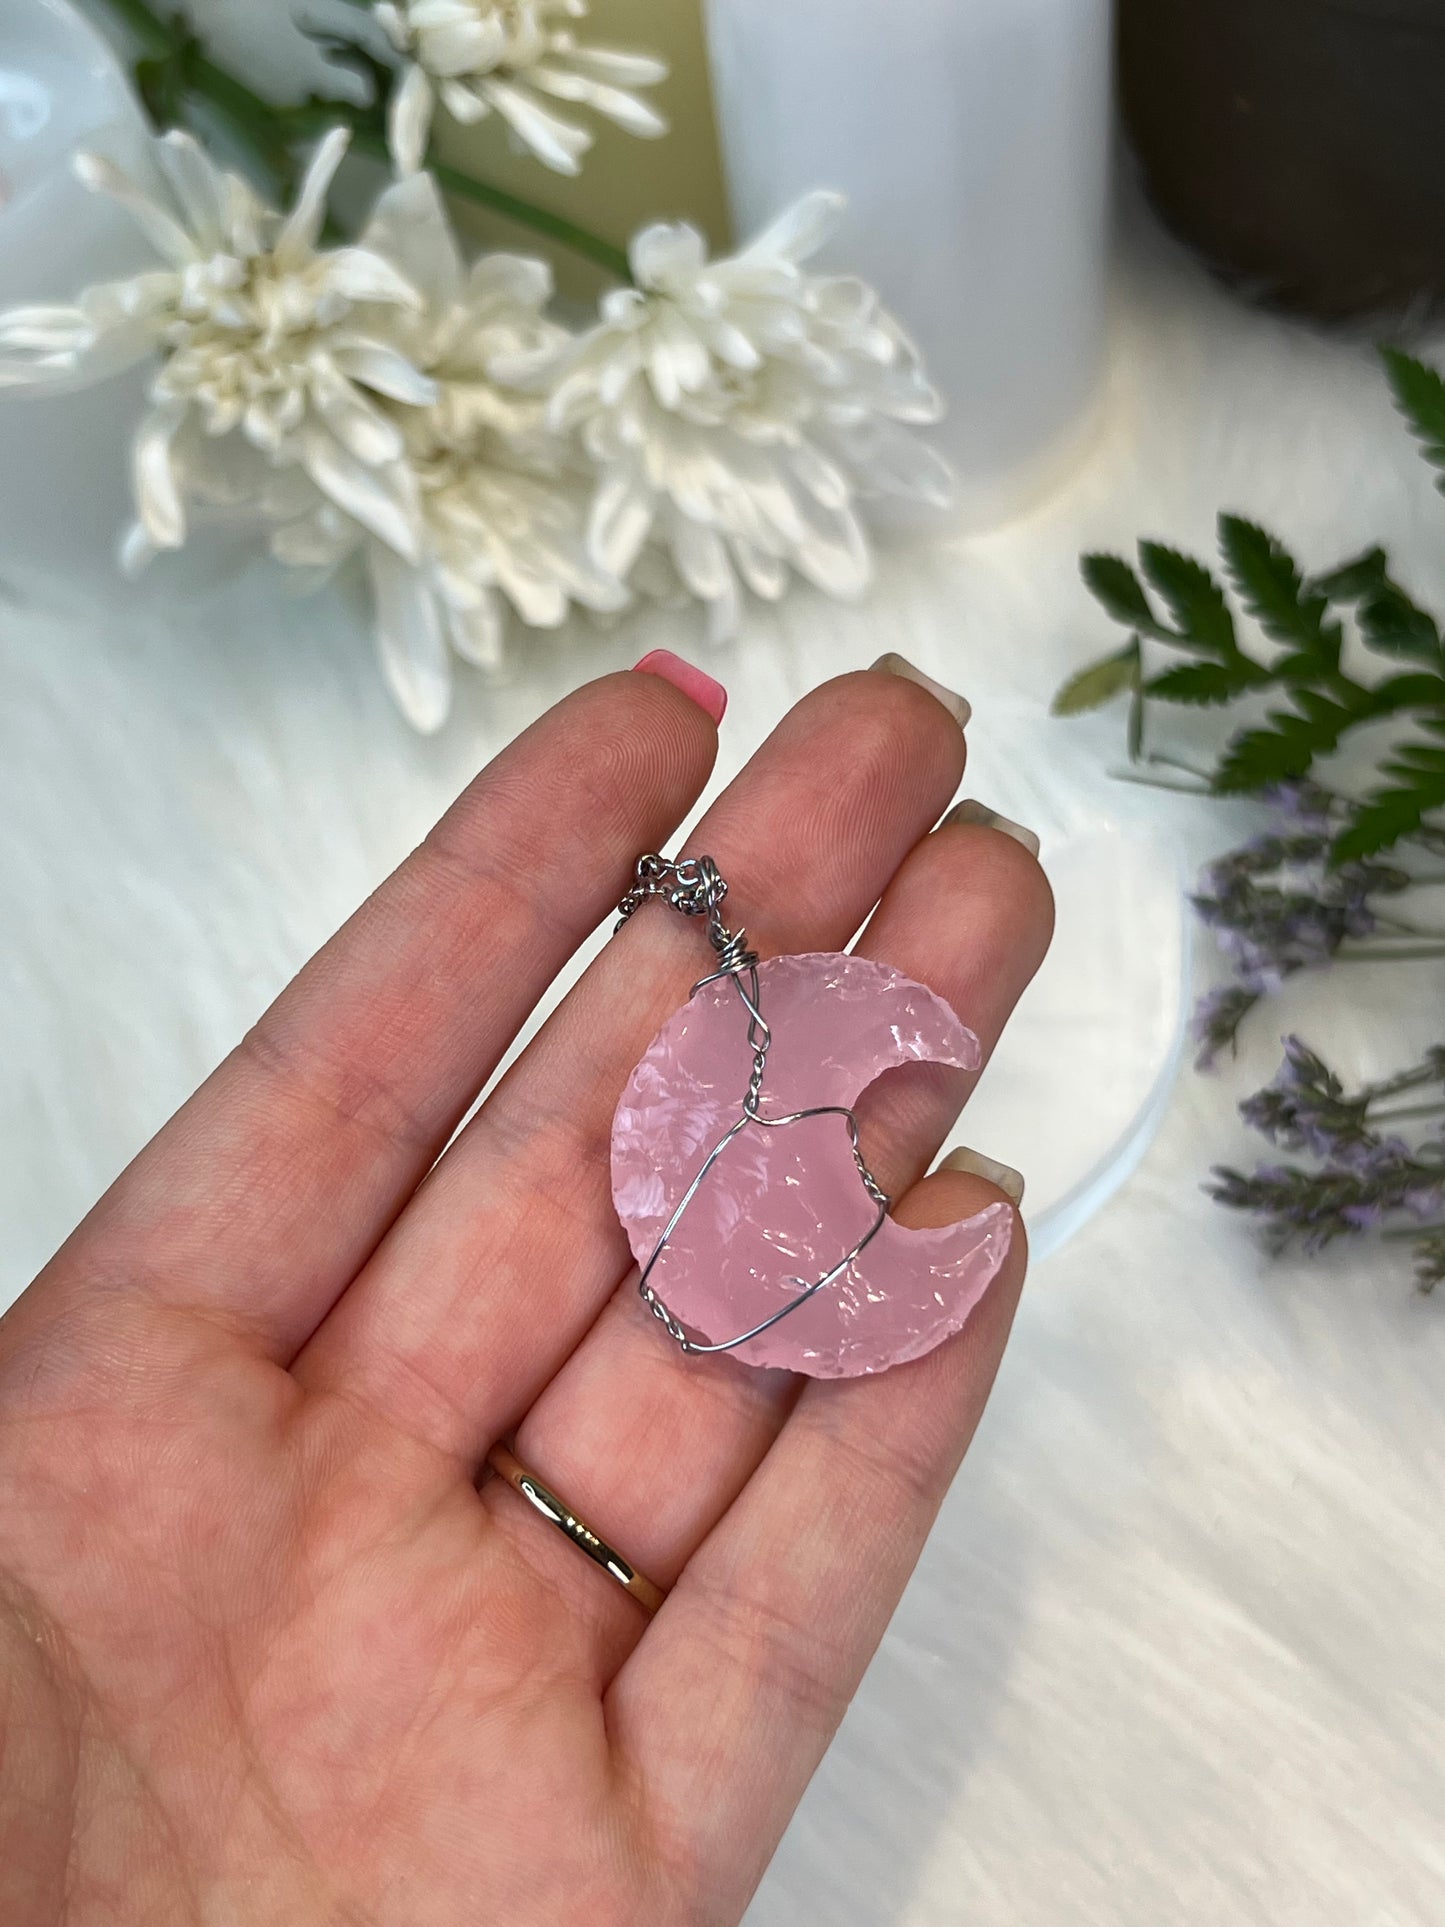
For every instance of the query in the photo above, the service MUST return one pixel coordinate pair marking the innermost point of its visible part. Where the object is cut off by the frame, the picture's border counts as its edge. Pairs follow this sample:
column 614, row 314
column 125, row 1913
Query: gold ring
column 558, row 1513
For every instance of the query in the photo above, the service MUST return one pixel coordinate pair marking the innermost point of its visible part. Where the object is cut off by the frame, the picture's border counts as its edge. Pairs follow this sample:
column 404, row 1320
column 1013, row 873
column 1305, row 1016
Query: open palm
column 268, row 1653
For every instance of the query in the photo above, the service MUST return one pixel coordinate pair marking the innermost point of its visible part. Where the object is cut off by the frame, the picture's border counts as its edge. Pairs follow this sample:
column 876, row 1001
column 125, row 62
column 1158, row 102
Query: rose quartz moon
column 780, row 1206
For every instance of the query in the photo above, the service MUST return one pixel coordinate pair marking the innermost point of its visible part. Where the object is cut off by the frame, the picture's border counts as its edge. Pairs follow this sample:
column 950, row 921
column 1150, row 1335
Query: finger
column 261, row 1199
column 765, row 1638
column 513, row 1246
column 652, row 1446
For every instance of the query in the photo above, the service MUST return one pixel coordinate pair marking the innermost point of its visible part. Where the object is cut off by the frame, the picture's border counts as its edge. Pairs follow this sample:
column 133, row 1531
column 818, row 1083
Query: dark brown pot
column 1300, row 144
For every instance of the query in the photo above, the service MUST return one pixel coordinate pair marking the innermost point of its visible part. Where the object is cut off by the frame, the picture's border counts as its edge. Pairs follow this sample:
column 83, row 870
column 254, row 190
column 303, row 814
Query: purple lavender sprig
column 1368, row 1176
column 1278, row 906
column 1430, row 1260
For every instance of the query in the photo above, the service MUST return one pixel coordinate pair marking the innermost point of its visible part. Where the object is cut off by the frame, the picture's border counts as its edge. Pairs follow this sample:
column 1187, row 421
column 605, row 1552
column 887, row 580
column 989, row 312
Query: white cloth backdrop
column 1174, row 1653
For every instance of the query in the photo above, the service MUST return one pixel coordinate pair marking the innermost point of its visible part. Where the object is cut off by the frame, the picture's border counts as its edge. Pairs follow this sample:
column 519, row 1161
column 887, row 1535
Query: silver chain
column 696, row 887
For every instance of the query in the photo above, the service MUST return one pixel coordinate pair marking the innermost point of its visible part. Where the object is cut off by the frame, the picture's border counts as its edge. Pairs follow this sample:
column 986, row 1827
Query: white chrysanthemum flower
column 737, row 410
column 503, row 519
column 510, row 57
column 264, row 341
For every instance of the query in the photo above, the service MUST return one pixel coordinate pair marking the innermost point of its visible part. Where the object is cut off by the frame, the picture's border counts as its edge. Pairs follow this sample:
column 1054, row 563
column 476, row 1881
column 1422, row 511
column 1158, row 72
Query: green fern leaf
column 1389, row 815
column 1259, row 758
column 1099, row 683
column 1273, row 590
column 1355, row 578
column 1394, row 625
column 1202, row 682
column 1419, row 392
column 1114, row 585
column 1195, row 599
column 1414, row 691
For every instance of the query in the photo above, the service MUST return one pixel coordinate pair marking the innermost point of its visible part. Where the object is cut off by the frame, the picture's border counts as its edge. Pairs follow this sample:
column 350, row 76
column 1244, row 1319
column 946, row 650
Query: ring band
column 558, row 1513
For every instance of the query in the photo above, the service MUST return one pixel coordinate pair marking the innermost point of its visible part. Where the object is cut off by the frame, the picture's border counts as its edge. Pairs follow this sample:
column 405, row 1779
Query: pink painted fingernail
column 707, row 694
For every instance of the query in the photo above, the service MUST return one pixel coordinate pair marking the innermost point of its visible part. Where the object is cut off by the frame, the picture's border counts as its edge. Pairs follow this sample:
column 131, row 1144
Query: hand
column 269, row 1657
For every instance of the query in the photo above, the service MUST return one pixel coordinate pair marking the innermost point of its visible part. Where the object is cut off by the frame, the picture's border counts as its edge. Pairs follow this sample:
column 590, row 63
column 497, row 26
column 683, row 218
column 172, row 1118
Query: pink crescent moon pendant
column 736, row 1170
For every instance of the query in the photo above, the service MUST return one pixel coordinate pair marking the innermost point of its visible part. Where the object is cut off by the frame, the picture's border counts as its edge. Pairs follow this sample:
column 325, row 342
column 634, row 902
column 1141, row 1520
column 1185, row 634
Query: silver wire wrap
column 696, row 887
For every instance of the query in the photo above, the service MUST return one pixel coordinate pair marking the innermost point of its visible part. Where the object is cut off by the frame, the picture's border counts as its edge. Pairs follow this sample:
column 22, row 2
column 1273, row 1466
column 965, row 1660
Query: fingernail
column 1009, row 1181
column 957, row 706
column 707, row 694
column 972, row 811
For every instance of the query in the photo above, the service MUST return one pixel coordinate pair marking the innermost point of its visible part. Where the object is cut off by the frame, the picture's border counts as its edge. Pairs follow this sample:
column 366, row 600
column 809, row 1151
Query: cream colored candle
column 972, row 139
column 624, row 181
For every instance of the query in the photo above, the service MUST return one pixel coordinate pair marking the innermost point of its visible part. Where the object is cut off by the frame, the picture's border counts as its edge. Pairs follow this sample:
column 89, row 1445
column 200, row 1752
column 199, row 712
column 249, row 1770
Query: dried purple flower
column 1430, row 1261
column 1311, row 1208
column 1275, row 908
column 1217, row 1018
column 1305, row 1108
column 1365, row 1179
column 1307, row 804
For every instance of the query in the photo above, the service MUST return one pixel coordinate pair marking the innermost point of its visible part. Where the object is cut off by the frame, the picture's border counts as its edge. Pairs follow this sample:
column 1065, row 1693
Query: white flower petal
column 408, row 119
column 359, row 275
column 427, row 15
column 664, row 250
column 620, row 522
column 835, row 557
column 313, row 543
column 678, row 363
column 724, row 612
column 46, row 329
column 411, row 642
column 800, row 230
column 267, row 420
column 467, row 43
column 154, row 480
column 765, row 574
column 199, row 187
column 463, row 102
column 360, row 428
column 537, row 597
column 520, row 280
column 557, row 142
column 382, row 500
column 409, row 228
column 730, row 344
column 633, row 115
column 394, row 24
column 160, row 228
column 114, row 304
column 702, row 560
column 245, row 215
column 136, row 551
column 621, row 69
column 385, row 370
column 823, row 479
column 302, row 227
column 477, row 632
column 890, row 461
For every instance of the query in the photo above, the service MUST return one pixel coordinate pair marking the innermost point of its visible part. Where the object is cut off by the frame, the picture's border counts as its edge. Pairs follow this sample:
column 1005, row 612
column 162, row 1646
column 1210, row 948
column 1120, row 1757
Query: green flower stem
column 154, row 34
column 1405, row 954
column 1414, row 1080
column 1158, row 783
column 1414, row 1233
column 1405, row 1112
column 1164, row 761
column 605, row 254
column 1405, row 929
column 271, row 129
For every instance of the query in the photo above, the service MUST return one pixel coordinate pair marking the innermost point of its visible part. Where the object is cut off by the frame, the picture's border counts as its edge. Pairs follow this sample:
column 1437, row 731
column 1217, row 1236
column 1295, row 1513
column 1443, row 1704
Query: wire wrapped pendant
column 736, row 1165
